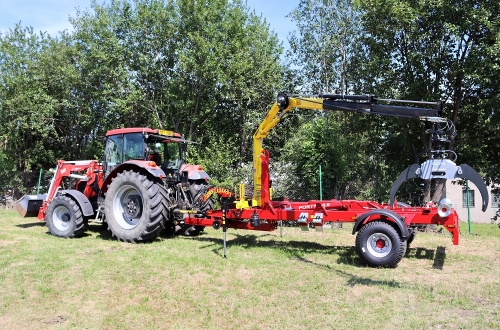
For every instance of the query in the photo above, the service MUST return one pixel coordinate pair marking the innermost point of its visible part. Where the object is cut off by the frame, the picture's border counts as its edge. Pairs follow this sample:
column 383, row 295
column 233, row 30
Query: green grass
column 303, row 280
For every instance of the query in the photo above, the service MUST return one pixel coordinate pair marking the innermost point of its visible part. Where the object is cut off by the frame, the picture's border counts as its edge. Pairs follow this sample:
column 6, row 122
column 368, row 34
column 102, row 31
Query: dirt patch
column 465, row 313
column 56, row 320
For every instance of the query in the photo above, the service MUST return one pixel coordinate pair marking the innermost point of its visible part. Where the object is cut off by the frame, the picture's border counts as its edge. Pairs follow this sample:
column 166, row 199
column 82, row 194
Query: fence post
column 468, row 205
column 39, row 181
column 320, row 185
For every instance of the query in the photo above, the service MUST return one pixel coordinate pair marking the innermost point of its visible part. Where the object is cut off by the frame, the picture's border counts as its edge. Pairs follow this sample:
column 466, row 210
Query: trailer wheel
column 64, row 218
column 135, row 207
column 380, row 245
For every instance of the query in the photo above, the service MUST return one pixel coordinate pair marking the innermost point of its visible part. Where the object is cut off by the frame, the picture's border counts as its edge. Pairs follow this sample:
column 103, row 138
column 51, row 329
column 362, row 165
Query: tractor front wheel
column 64, row 218
column 379, row 244
column 135, row 207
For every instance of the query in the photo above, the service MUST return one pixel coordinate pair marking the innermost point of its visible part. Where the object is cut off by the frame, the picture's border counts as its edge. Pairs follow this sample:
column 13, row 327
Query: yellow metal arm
column 277, row 111
column 367, row 104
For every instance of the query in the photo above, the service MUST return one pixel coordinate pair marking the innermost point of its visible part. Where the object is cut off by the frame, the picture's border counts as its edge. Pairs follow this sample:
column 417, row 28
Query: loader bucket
column 29, row 205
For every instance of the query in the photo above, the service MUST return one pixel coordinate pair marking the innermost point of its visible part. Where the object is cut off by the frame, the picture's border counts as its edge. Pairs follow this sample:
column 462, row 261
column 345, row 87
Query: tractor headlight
column 444, row 207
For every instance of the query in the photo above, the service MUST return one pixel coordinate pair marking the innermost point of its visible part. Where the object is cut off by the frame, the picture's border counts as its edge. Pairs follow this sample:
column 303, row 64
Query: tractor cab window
column 113, row 150
column 133, row 146
column 172, row 155
column 155, row 152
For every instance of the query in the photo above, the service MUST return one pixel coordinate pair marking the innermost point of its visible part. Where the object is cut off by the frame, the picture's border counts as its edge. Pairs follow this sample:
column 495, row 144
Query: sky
column 52, row 16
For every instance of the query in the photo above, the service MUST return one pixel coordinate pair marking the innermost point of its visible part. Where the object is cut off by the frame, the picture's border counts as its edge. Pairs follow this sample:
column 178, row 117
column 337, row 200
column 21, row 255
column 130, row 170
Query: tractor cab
column 165, row 152
column 144, row 144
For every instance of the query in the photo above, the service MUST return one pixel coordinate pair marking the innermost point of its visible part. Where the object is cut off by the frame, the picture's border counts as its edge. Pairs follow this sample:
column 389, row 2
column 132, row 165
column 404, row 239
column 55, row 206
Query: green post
column 468, row 205
column 320, row 185
column 39, row 181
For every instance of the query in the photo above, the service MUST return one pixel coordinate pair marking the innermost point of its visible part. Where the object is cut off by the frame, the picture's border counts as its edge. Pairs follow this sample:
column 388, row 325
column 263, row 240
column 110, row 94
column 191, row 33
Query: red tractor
column 142, row 187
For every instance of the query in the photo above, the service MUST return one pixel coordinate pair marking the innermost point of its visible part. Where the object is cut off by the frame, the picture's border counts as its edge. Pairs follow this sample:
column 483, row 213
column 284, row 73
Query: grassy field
column 303, row 280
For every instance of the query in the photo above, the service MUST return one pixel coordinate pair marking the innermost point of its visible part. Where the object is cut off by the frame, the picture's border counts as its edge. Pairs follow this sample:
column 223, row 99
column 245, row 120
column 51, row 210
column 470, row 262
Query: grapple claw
column 467, row 172
column 441, row 169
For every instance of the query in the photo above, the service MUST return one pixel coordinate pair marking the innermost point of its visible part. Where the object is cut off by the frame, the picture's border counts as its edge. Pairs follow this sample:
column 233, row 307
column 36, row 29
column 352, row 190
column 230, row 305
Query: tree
column 325, row 50
column 207, row 71
column 445, row 50
column 36, row 111
column 325, row 43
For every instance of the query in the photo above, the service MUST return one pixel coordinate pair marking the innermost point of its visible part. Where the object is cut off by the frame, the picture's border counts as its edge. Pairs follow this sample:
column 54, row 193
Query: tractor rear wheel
column 64, row 218
column 379, row 244
column 135, row 207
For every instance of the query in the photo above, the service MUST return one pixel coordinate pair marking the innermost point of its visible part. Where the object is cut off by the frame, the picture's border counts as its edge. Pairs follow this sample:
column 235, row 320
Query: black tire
column 379, row 244
column 135, row 207
column 197, row 190
column 64, row 218
column 411, row 237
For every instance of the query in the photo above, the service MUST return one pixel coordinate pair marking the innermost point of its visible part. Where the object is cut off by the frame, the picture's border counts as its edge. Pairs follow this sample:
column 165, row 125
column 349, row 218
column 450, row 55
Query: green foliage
column 211, row 69
column 38, row 119
column 207, row 71
column 325, row 43
column 346, row 153
column 439, row 50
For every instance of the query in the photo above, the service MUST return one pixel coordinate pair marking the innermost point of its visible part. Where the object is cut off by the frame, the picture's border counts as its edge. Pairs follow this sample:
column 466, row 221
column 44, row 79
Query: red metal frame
column 92, row 172
column 319, row 212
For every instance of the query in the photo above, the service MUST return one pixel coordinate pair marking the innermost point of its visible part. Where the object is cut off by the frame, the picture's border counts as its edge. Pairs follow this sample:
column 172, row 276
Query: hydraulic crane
column 383, row 230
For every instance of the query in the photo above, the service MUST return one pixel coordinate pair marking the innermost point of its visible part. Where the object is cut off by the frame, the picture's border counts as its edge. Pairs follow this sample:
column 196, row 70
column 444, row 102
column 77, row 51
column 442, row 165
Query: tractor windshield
column 133, row 146
column 166, row 154
column 113, row 151
column 123, row 147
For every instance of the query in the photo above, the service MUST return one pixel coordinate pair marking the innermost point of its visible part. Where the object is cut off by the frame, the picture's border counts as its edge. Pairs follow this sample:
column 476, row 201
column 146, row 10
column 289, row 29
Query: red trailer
column 383, row 230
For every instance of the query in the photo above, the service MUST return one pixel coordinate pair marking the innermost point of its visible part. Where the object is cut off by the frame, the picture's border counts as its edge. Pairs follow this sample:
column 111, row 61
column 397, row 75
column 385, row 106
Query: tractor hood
column 195, row 172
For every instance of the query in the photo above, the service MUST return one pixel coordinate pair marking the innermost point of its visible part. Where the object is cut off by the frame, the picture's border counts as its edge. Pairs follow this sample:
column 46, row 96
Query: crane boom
column 367, row 104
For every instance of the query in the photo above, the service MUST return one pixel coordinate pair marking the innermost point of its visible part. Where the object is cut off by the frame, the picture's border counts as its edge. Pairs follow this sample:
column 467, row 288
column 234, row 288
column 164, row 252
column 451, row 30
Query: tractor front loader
column 141, row 187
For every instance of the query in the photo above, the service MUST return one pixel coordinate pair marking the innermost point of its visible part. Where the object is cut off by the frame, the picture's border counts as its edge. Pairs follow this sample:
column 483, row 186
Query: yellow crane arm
column 280, row 107
column 367, row 104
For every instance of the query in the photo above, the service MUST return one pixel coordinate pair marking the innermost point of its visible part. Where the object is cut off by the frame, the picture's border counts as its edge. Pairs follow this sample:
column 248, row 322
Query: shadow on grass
column 438, row 255
column 295, row 249
column 31, row 224
column 101, row 230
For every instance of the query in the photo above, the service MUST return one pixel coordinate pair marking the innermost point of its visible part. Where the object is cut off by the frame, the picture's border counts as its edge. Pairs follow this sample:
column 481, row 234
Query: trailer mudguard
column 403, row 228
column 441, row 169
column 81, row 199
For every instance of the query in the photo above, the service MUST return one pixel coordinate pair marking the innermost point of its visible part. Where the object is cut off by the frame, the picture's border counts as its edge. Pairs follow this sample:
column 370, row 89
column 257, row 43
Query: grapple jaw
column 441, row 169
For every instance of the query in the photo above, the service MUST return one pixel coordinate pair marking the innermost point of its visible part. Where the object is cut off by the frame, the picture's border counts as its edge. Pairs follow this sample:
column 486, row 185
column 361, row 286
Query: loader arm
column 87, row 171
column 366, row 104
